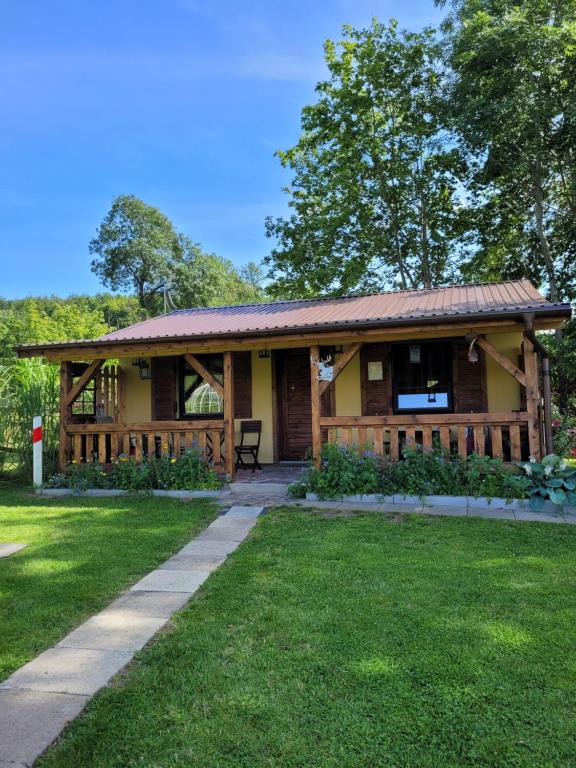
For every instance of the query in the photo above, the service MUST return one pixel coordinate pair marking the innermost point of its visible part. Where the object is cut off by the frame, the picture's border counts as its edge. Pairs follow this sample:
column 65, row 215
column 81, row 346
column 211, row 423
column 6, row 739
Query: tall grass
column 28, row 388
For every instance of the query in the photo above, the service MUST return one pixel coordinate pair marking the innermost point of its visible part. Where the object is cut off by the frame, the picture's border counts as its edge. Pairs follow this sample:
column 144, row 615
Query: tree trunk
column 542, row 238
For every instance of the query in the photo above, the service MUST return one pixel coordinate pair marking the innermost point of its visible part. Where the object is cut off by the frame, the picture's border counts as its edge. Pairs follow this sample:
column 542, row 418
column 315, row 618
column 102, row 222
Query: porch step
column 263, row 488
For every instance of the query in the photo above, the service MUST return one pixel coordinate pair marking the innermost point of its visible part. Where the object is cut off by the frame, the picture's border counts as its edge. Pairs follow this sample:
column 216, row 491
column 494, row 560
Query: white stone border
column 463, row 502
column 173, row 494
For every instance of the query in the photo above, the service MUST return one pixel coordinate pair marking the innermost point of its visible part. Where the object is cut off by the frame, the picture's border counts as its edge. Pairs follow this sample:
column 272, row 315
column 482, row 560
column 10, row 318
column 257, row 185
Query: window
column 197, row 397
column 85, row 403
column 422, row 376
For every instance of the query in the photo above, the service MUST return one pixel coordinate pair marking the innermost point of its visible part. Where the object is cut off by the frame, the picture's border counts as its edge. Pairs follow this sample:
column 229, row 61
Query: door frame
column 279, row 401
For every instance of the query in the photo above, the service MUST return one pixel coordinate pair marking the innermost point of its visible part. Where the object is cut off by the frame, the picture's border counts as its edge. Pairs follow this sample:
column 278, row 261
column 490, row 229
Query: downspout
column 546, row 389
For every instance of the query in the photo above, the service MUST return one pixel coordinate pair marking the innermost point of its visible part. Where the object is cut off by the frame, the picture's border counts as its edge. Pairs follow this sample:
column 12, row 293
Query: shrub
column 552, row 479
column 564, row 433
column 347, row 471
column 344, row 472
column 189, row 472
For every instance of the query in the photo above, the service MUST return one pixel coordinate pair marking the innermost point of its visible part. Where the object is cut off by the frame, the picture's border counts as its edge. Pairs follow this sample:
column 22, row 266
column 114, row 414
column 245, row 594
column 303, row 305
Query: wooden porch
column 511, row 436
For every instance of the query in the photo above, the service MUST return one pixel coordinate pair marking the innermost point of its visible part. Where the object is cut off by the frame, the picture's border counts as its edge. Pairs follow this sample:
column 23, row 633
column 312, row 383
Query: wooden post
column 65, row 410
column 229, row 415
column 532, row 399
column 315, row 402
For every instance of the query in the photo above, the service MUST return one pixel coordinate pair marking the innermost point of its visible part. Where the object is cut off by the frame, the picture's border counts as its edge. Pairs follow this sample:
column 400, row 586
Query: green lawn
column 360, row 641
column 82, row 552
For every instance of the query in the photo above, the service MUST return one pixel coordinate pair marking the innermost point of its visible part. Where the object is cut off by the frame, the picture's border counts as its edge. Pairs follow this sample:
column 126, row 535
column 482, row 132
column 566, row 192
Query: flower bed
column 185, row 473
column 352, row 474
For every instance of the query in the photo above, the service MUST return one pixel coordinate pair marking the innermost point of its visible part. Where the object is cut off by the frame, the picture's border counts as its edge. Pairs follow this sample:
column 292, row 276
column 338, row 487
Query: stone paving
column 40, row 698
column 8, row 548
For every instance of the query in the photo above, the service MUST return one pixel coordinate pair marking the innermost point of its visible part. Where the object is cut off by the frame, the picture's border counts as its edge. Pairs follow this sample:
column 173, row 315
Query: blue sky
column 181, row 102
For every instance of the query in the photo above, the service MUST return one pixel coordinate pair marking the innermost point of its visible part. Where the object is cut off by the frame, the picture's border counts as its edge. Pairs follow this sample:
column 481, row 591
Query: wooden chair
column 249, row 447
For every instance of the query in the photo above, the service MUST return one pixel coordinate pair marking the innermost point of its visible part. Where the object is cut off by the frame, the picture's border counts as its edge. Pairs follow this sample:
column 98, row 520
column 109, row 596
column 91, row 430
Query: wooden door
column 294, row 406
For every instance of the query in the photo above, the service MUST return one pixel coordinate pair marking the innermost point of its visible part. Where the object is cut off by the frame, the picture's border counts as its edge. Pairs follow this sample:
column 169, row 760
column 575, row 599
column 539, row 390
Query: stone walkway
column 40, row 698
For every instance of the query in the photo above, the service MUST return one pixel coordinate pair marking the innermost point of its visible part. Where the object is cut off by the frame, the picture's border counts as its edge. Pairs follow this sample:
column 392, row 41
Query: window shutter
column 164, row 380
column 469, row 380
column 376, row 395
column 242, row 385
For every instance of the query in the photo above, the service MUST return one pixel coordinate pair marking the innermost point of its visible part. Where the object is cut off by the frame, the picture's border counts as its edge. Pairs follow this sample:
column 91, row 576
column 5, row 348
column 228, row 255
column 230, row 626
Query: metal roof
column 280, row 316
column 511, row 298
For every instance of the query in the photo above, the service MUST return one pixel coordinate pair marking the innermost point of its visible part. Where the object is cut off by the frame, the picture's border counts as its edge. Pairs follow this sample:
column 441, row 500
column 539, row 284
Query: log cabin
column 460, row 366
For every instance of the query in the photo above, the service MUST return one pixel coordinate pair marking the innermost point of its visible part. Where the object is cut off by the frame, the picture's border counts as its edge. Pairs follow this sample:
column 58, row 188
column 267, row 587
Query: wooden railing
column 104, row 443
column 500, row 435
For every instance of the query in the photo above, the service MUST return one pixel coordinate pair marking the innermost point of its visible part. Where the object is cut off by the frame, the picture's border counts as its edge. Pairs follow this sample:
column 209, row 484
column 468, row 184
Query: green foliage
column 512, row 103
column 134, row 248
column 348, row 471
column 375, row 181
column 28, row 388
column 188, row 472
column 138, row 249
column 344, row 472
column 552, row 479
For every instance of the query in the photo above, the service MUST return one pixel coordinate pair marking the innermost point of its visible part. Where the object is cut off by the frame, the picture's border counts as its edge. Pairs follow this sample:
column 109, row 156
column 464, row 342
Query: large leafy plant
column 552, row 479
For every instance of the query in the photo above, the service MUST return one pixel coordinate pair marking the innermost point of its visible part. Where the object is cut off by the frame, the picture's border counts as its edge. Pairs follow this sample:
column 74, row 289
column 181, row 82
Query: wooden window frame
column 450, row 388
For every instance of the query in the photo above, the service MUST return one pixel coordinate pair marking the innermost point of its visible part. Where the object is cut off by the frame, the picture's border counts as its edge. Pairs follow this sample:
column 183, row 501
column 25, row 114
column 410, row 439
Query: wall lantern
column 415, row 353
column 144, row 368
column 337, row 349
column 263, row 354
column 473, row 356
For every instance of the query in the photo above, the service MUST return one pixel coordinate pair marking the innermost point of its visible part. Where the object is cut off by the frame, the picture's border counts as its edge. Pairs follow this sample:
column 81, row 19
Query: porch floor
column 272, row 473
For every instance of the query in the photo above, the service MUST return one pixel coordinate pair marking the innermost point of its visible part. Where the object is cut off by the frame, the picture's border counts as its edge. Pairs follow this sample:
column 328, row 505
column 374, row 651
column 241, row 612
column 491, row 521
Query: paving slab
column 113, row 631
column 243, row 511
column 172, row 581
column 68, row 670
column 246, row 523
column 210, row 547
column 159, row 605
column 538, row 517
column 235, row 533
column 8, row 548
column 31, row 720
column 194, row 562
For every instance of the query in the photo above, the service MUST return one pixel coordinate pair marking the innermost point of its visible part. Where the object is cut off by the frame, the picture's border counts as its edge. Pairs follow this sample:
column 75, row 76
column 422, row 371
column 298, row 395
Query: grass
column 352, row 642
column 81, row 554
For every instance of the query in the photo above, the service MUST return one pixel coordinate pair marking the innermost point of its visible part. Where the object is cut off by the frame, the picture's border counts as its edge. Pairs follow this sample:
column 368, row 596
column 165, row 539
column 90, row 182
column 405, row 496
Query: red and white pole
column 37, row 451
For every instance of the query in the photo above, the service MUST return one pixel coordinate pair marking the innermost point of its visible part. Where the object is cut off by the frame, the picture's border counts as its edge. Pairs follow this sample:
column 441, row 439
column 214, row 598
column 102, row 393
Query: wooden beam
column 339, row 366
column 315, row 403
column 502, row 360
column 532, row 399
column 150, row 426
column 65, row 382
column 229, row 415
column 414, row 419
column 82, row 382
column 205, row 374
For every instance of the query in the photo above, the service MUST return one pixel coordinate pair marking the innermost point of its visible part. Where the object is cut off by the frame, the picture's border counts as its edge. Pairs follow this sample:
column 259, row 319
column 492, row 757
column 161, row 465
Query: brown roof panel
column 388, row 308
column 453, row 303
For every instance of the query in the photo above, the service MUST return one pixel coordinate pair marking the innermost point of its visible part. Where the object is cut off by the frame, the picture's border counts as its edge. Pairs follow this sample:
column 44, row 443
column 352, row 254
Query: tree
column 513, row 105
column 375, row 179
column 135, row 249
column 138, row 249
column 201, row 279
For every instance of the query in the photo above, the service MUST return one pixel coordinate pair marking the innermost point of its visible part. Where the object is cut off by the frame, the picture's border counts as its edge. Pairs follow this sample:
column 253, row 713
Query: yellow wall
column 502, row 389
column 348, row 390
column 261, row 405
column 138, row 394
